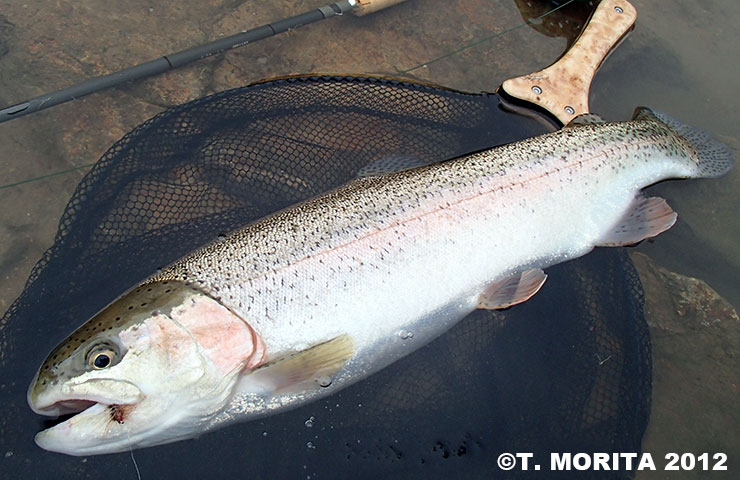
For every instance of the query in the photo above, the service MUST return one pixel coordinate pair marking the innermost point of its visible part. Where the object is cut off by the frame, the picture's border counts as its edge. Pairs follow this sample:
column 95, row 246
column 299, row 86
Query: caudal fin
column 712, row 158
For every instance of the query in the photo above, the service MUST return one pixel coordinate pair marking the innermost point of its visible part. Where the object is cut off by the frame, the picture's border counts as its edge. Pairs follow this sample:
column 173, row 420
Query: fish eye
column 101, row 357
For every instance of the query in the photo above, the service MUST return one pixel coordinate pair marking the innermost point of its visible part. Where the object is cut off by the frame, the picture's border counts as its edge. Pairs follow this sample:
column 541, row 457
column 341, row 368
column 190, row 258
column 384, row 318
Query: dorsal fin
column 585, row 119
column 390, row 164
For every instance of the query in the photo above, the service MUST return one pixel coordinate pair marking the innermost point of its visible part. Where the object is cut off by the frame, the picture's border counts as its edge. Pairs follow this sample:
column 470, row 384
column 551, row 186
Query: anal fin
column 300, row 371
column 646, row 217
column 512, row 290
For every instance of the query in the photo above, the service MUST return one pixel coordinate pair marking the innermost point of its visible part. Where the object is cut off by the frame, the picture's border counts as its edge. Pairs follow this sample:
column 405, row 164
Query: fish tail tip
column 714, row 158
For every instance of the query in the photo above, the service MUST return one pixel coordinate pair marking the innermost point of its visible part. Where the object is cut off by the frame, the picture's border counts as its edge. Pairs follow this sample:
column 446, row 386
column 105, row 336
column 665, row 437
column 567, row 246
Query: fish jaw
column 101, row 407
column 108, row 423
column 72, row 436
column 102, row 428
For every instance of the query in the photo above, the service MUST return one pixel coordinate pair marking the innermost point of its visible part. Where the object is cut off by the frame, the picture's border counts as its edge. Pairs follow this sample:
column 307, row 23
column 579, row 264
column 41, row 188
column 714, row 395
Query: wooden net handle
column 562, row 88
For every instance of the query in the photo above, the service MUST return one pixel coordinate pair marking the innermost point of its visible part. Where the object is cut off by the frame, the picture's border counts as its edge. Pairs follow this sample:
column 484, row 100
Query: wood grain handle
column 562, row 88
column 365, row 7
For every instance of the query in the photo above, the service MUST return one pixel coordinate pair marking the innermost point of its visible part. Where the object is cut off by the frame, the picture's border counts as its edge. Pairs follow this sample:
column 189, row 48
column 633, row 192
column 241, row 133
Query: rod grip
column 365, row 7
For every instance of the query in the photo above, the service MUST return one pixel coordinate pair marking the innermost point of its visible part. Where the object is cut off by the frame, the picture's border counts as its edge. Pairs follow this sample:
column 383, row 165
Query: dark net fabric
column 567, row 371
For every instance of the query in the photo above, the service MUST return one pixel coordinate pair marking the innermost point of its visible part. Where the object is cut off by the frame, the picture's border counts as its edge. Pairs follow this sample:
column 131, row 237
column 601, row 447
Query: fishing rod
column 176, row 60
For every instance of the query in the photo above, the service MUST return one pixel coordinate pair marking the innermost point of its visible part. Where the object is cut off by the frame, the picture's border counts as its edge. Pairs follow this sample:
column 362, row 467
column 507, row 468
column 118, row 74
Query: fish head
column 153, row 367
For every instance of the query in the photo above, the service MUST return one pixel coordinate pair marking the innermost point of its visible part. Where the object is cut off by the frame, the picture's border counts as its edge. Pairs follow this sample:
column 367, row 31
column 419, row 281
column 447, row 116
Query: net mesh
column 568, row 370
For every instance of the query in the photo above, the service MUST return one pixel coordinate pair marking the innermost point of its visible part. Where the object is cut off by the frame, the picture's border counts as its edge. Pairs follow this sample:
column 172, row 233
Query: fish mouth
column 77, row 397
column 72, row 406
column 86, row 414
column 66, row 409
column 89, row 416
column 69, row 413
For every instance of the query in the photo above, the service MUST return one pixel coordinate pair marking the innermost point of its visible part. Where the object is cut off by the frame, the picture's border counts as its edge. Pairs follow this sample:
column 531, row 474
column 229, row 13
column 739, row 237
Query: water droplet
column 264, row 434
column 221, row 237
column 309, row 422
column 8, row 454
column 310, row 445
column 324, row 381
column 405, row 334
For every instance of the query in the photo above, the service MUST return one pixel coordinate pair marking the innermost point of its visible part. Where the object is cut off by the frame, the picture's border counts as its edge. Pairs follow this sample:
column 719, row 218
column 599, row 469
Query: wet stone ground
column 681, row 59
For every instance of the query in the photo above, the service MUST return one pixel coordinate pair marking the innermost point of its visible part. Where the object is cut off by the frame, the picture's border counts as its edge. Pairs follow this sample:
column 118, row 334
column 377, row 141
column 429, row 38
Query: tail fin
column 713, row 158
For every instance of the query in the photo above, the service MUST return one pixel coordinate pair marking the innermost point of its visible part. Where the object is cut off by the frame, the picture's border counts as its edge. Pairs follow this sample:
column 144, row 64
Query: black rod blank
column 169, row 62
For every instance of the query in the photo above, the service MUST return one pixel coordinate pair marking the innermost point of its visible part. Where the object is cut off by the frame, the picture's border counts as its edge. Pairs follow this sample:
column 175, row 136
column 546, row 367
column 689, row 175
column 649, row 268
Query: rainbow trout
column 312, row 298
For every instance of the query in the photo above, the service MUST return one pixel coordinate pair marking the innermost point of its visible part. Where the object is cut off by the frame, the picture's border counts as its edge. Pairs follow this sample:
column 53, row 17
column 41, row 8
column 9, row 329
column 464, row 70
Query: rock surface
column 696, row 370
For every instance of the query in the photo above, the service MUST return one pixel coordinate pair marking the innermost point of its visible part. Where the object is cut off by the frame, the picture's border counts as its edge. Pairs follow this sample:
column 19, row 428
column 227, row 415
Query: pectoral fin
column 646, row 217
column 299, row 371
column 512, row 290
